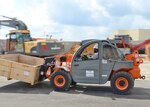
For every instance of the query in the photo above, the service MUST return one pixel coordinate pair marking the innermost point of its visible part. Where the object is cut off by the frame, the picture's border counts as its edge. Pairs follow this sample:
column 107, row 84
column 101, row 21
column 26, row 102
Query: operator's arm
column 95, row 56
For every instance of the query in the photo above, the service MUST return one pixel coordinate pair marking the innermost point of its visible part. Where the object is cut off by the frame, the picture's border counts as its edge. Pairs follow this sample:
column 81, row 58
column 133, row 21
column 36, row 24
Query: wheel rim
column 121, row 83
column 59, row 81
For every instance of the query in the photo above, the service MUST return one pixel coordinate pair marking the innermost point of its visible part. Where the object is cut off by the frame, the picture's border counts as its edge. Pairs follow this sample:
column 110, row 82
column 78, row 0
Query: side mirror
column 6, row 35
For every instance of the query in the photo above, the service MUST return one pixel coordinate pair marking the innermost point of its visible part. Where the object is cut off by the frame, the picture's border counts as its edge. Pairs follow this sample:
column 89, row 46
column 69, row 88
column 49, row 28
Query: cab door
column 16, row 43
column 108, row 61
column 84, row 68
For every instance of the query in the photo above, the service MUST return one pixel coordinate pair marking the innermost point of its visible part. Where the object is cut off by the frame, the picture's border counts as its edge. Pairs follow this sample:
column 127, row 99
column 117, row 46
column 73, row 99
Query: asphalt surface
column 19, row 94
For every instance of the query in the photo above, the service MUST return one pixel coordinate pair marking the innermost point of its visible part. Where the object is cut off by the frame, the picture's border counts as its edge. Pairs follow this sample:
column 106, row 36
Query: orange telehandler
column 111, row 65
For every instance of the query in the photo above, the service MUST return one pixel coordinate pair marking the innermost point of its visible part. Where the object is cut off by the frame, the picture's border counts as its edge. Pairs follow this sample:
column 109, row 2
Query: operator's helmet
column 95, row 48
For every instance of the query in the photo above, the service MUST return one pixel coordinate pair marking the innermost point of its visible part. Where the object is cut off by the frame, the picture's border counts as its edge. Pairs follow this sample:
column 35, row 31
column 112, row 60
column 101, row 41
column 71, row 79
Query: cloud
column 77, row 33
column 77, row 19
column 116, row 8
column 77, row 13
column 7, row 8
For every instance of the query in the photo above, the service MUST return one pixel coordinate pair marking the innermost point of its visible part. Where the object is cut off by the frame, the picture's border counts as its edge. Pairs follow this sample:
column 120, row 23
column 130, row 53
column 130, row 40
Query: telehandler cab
column 110, row 65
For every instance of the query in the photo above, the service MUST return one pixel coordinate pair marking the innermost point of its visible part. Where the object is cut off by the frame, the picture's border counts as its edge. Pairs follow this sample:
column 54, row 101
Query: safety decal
column 89, row 73
column 104, row 61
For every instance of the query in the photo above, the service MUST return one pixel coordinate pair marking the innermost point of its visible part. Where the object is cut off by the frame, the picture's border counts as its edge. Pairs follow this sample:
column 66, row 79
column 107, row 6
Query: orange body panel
column 49, row 73
column 137, row 60
column 135, row 71
column 58, row 64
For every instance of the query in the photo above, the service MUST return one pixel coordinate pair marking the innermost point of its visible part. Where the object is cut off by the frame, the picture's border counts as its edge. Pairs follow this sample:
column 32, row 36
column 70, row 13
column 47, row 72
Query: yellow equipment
column 21, row 41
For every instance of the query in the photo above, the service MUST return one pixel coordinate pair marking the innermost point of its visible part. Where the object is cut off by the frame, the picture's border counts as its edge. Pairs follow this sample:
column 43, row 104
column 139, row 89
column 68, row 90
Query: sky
column 76, row 20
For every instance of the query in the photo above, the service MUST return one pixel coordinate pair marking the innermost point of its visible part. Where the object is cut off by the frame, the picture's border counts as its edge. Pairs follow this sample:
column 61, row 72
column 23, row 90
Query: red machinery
column 140, row 45
column 124, row 42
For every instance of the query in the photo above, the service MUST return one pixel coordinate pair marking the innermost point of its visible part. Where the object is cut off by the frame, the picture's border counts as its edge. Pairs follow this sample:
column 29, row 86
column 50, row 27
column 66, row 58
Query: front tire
column 122, row 83
column 60, row 81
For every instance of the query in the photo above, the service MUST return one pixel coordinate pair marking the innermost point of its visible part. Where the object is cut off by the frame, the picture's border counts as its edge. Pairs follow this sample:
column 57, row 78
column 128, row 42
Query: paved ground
column 18, row 94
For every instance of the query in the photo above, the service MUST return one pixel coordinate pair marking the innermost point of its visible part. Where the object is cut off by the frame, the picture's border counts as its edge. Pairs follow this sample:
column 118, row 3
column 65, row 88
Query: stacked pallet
column 20, row 67
column 147, row 49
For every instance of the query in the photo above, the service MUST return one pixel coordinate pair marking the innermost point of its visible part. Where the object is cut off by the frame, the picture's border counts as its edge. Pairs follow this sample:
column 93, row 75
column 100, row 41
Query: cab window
column 13, row 36
column 118, row 53
column 108, row 52
column 90, row 52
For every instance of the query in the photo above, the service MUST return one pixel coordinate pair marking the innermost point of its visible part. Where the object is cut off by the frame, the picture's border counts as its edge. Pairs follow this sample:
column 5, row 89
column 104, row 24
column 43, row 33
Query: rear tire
column 60, row 81
column 122, row 83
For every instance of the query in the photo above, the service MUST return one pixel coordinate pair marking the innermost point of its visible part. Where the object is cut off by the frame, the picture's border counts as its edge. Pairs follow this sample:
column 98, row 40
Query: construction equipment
column 43, row 48
column 20, row 41
column 124, row 43
column 110, row 65
column 140, row 45
column 148, row 52
column 16, row 37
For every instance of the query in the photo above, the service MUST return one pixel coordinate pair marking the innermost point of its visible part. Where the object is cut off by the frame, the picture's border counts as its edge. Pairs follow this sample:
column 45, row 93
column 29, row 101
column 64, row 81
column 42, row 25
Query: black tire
column 67, row 80
column 127, row 79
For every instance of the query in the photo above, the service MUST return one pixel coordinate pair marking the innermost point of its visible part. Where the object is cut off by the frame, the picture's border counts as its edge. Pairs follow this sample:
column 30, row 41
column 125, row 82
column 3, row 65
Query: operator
column 95, row 55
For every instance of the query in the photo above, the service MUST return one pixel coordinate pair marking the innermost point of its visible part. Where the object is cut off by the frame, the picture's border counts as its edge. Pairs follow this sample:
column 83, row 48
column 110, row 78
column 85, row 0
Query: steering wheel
column 84, row 57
